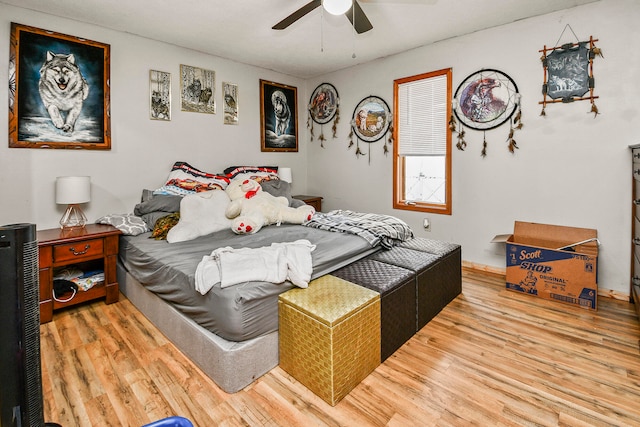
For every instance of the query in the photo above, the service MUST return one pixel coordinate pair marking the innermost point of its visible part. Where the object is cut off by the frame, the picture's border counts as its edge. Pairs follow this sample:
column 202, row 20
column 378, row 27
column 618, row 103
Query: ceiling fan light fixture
column 336, row 7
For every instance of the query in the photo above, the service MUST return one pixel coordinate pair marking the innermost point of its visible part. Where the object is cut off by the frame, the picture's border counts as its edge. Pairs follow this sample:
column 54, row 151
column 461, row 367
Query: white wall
column 571, row 169
column 143, row 150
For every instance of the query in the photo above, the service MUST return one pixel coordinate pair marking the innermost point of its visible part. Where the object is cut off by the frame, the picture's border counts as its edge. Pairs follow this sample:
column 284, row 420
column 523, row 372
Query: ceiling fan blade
column 297, row 14
column 362, row 23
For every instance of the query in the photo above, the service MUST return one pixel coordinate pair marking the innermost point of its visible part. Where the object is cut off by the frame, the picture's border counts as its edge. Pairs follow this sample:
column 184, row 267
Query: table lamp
column 71, row 191
column 285, row 174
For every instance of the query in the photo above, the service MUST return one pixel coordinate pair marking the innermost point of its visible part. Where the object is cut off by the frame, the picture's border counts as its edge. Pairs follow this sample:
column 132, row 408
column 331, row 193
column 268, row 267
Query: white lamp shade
column 336, row 7
column 73, row 189
column 285, row 175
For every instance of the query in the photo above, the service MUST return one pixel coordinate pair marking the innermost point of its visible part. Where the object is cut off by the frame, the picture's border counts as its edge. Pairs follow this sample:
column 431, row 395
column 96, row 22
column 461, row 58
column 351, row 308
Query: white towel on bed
column 275, row 263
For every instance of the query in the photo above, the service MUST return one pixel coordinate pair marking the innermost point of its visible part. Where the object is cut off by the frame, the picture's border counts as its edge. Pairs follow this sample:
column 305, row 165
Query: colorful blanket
column 377, row 229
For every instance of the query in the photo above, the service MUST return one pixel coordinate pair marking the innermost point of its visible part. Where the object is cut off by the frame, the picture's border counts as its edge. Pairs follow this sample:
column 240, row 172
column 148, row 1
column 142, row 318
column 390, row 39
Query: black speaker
column 21, row 402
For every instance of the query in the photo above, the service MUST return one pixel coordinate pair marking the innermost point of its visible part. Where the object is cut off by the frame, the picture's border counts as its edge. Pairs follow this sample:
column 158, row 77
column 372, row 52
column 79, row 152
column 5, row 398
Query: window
column 422, row 149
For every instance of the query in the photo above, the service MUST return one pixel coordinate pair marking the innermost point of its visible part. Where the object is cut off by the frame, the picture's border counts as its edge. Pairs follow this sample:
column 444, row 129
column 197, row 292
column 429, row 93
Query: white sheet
column 275, row 263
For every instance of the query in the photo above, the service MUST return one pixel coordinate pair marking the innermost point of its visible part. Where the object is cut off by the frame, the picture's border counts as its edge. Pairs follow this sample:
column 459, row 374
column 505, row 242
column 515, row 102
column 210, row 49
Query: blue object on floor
column 171, row 422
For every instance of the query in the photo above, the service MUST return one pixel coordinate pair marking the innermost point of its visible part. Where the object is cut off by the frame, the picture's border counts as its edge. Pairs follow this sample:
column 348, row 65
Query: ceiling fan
column 354, row 12
column 350, row 8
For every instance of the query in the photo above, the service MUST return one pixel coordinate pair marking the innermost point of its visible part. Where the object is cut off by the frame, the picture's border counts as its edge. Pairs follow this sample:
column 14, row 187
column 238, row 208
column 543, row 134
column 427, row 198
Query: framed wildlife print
column 568, row 73
column 486, row 99
column 58, row 91
column 230, row 100
column 278, row 117
column 371, row 119
column 159, row 95
column 197, row 88
column 324, row 102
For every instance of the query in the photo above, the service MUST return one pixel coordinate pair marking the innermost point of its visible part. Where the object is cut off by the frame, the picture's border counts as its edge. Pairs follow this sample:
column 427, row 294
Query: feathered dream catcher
column 568, row 73
column 324, row 106
column 485, row 100
column 370, row 123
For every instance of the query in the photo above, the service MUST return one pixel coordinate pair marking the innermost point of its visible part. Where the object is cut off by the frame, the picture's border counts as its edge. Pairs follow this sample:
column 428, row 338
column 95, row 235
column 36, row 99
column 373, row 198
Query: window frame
column 399, row 161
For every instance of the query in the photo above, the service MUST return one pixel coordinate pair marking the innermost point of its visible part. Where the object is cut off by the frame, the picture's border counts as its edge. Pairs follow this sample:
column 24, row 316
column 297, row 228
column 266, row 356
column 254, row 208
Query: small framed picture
column 278, row 117
column 230, row 101
column 197, row 89
column 159, row 95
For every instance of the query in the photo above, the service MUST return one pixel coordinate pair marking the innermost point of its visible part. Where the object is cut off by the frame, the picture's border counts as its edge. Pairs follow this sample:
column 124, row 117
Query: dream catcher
column 568, row 73
column 371, row 121
column 483, row 101
column 324, row 107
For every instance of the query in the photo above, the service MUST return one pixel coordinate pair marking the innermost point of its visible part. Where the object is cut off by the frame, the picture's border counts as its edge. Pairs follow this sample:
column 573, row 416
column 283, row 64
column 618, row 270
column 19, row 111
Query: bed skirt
column 231, row 365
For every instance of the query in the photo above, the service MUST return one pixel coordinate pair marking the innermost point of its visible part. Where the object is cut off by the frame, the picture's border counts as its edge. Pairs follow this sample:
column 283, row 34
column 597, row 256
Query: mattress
column 240, row 312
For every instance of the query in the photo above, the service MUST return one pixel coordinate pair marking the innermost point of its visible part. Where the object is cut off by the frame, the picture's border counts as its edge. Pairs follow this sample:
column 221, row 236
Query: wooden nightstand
column 315, row 201
column 94, row 247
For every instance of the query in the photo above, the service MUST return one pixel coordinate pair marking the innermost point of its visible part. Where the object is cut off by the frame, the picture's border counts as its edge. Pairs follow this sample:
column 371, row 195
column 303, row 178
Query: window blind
column 422, row 111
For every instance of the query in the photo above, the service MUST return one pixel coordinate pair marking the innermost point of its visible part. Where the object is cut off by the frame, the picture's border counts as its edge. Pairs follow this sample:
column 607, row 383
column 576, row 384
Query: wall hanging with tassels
column 568, row 72
column 483, row 101
column 324, row 106
column 370, row 123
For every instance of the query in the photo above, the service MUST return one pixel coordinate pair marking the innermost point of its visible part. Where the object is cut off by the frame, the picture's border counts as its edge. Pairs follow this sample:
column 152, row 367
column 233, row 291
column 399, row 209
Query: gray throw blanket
column 384, row 230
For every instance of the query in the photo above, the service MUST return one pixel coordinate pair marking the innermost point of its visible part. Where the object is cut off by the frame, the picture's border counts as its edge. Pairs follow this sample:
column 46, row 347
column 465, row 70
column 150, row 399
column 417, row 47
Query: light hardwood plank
column 492, row 357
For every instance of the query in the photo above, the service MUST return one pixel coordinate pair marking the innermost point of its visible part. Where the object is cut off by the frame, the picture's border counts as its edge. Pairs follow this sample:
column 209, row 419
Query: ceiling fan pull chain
column 322, row 29
column 353, row 32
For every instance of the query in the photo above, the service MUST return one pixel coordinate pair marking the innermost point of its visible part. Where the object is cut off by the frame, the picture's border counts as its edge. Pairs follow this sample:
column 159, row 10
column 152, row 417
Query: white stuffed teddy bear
column 251, row 208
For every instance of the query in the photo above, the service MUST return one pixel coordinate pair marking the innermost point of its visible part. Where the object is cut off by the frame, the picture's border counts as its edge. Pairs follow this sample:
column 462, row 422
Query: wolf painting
column 62, row 89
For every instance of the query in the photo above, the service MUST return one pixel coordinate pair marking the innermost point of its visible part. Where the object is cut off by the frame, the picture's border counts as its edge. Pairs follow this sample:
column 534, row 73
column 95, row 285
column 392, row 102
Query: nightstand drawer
column 76, row 250
column 315, row 201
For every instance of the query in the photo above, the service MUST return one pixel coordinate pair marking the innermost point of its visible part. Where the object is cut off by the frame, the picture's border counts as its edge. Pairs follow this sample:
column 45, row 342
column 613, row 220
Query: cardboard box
column 553, row 262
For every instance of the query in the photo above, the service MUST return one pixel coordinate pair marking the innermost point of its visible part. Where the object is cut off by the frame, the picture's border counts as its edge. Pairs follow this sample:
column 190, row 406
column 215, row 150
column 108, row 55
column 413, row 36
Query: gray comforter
column 238, row 312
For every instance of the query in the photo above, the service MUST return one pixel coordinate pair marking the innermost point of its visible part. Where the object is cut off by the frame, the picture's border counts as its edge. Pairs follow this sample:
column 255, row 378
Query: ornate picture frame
column 230, row 103
column 51, row 109
column 159, row 95
column 197, row 90
column 278, row 117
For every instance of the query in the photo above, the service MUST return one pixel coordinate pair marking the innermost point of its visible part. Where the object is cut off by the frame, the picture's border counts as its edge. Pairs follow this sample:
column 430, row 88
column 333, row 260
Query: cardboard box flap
column 555, row 237
column 501, row 238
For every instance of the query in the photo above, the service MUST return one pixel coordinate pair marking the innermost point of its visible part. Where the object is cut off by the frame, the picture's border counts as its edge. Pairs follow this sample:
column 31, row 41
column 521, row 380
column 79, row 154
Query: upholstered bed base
column 413, row 290
column 232, row 365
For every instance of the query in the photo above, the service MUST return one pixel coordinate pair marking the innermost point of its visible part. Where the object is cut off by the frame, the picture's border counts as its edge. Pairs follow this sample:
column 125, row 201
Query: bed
column 231, row 332
column 213, row 328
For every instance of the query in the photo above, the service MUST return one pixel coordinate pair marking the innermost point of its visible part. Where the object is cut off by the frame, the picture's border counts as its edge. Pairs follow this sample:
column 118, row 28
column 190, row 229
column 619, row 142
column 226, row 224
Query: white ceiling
column 316, row 44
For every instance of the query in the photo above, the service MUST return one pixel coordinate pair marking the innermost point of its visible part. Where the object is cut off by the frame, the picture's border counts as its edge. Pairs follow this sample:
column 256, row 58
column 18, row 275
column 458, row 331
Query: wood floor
column 491, row 358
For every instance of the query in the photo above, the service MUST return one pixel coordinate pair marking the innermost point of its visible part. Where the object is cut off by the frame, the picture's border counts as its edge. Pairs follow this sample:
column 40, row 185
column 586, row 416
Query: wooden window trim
column 398, row 164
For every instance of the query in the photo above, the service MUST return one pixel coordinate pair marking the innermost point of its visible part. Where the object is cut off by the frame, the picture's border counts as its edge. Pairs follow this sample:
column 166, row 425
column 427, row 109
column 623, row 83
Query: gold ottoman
column 329, row 335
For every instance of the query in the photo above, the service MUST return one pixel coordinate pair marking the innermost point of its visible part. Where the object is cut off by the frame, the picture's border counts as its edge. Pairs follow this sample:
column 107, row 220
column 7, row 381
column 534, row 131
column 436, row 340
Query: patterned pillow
column 185, row 179
column 128, row 224
column 258, row 173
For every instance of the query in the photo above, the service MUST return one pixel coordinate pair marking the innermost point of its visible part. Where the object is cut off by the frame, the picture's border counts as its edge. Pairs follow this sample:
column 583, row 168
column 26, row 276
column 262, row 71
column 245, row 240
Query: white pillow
column 200, row 214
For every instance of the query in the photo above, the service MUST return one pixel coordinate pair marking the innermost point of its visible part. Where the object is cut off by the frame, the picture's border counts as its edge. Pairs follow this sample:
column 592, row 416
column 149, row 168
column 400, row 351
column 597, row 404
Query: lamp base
column 73, row 217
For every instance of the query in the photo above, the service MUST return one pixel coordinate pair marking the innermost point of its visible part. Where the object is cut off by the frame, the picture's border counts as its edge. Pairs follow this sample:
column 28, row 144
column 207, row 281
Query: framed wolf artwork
column 278, row 117
column 197, row 88
column 230, row 98
column 58, row 91
column 159, row 95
